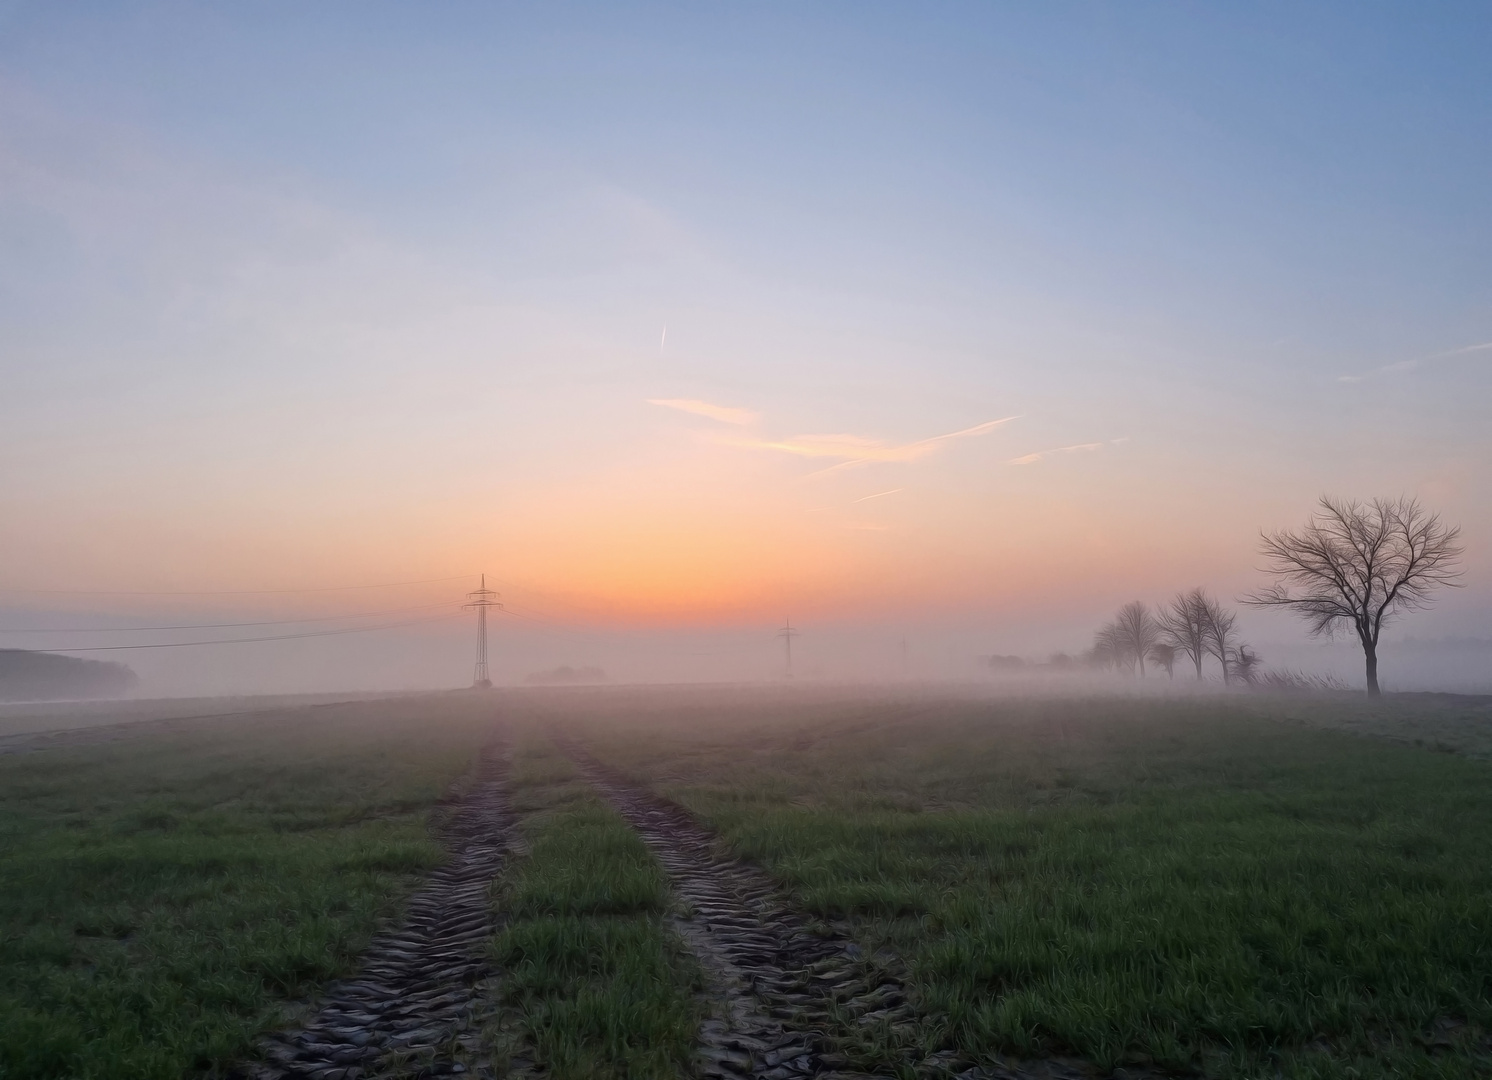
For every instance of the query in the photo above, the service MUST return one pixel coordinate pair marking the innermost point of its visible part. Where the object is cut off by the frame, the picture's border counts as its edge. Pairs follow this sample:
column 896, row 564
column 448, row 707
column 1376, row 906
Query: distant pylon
column 482, row 599
column 787, row 633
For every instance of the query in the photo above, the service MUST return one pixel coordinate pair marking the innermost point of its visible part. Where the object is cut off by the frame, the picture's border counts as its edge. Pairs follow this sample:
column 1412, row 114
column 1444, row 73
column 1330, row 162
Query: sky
column 968, row 323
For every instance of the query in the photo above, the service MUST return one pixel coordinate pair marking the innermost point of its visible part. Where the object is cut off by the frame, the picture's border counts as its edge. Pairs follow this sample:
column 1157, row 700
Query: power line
column 215, row 626
column 553, row 598
column 272, row 637
column 532, row 617
column 231, row 592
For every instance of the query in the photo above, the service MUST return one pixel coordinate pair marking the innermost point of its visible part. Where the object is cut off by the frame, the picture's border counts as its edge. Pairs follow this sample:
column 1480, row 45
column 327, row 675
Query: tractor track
column 415, row 1007
column 784, row 986
column 781, row 986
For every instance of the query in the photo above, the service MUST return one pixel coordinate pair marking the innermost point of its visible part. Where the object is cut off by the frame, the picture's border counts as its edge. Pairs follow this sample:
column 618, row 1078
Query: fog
column 1424, row 652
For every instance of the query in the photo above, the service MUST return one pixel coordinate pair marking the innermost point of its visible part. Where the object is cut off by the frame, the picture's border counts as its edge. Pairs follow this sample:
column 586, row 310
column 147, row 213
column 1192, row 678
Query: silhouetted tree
column 1163, row 655
column 1107, row 651
column 1359, row 564
column 1137, row 632
column 1246, row 664
column 1184, row 626
column 1217, row 633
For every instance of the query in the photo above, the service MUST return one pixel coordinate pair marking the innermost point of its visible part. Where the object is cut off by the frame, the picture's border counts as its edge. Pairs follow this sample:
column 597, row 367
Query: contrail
column 878, row 494
column 664, row 339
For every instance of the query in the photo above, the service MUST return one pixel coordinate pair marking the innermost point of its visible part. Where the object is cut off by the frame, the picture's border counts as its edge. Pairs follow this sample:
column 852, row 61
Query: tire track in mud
column 781, row 986
column 785, row 989
column 415, row 1006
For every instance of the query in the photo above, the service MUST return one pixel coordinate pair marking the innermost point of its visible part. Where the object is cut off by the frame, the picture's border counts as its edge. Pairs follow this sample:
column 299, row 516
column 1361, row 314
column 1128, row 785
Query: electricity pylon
column 482, row 599
column 787, row 633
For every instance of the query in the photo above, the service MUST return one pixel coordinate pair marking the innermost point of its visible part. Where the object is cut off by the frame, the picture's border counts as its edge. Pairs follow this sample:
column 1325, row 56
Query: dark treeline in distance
column 26, row 675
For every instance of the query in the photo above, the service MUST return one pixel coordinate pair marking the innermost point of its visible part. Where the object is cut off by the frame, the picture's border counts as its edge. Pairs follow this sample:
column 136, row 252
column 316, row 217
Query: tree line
column 1194, row 627
column 1353, row 567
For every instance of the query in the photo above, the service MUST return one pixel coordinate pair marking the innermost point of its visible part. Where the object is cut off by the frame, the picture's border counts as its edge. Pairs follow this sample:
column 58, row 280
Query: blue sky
column 370, row 291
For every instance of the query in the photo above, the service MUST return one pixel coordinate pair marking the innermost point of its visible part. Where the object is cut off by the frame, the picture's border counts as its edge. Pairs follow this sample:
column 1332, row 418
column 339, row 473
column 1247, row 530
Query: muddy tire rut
column 415, row 1006
column 781, row 987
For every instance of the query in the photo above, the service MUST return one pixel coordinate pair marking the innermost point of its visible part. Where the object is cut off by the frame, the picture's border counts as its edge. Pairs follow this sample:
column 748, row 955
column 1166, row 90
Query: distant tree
column 1137, row 632
column 1217, row 632
column 1184, row 626
column 1107, row 652
column 1247, row 665
column 26, row 675
column 1163, row 655
column 1360, row 564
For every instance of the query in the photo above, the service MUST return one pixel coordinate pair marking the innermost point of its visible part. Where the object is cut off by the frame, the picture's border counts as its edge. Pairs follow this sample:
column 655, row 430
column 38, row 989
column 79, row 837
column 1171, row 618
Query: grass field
column 1191, row 884
column 594, row 983
column 1226, row 887
column 163, row 897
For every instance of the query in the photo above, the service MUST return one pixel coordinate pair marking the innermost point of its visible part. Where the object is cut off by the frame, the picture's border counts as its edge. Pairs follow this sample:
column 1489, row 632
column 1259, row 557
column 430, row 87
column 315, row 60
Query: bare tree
column 1107, row 650
column 1247, row 665
column 1137, row 633
column 1184, row 626
column 1163, row 655
column 1359, row 564
column 1217, row 633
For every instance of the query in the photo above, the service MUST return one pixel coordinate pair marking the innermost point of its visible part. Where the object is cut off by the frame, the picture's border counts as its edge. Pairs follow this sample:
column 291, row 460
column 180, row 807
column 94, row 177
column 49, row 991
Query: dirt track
column 786, row 991
column 414, row 1007
column 782, row 986
column 785, row 986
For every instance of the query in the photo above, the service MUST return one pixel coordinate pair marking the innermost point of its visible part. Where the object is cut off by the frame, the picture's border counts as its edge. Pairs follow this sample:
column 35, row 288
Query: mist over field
column 836, row 653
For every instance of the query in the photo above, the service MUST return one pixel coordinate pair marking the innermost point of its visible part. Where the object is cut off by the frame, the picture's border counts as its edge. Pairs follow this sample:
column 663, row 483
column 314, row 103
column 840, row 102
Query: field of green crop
column 1227, row 887
column 1191, row 884
column 163, row 897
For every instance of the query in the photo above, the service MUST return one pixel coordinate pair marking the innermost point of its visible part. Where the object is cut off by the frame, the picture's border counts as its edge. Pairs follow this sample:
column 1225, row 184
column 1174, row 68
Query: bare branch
column 1359, row 564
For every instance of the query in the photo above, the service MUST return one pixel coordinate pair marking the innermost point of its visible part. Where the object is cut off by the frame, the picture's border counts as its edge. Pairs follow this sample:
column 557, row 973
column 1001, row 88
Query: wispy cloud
column 723, row 413
column 1416, row 362
column 859, row 450
column 1032, row 459
column 852, row 502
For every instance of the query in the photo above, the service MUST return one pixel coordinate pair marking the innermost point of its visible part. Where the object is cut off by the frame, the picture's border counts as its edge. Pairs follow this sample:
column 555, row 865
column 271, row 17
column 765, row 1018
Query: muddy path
column 782, row 986
column 415, row 1006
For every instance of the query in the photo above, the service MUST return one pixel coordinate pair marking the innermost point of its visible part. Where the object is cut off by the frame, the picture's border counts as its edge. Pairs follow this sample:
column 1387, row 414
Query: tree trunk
column 1370, row 652
column 1197, row 659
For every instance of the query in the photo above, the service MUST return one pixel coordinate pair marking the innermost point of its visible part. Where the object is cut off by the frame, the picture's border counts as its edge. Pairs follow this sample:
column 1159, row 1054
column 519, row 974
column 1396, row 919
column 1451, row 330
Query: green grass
column 1185, row 883
column 594, row 983
column 165, row 895
column 1224, row 886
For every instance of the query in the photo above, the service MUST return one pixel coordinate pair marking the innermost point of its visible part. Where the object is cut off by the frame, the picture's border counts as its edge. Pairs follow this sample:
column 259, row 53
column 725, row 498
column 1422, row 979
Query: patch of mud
column 415, row 1008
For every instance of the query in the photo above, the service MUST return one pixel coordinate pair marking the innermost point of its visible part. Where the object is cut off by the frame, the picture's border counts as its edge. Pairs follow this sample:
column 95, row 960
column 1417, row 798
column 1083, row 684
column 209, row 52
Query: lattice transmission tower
column 481, row 599
column 787, row 633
